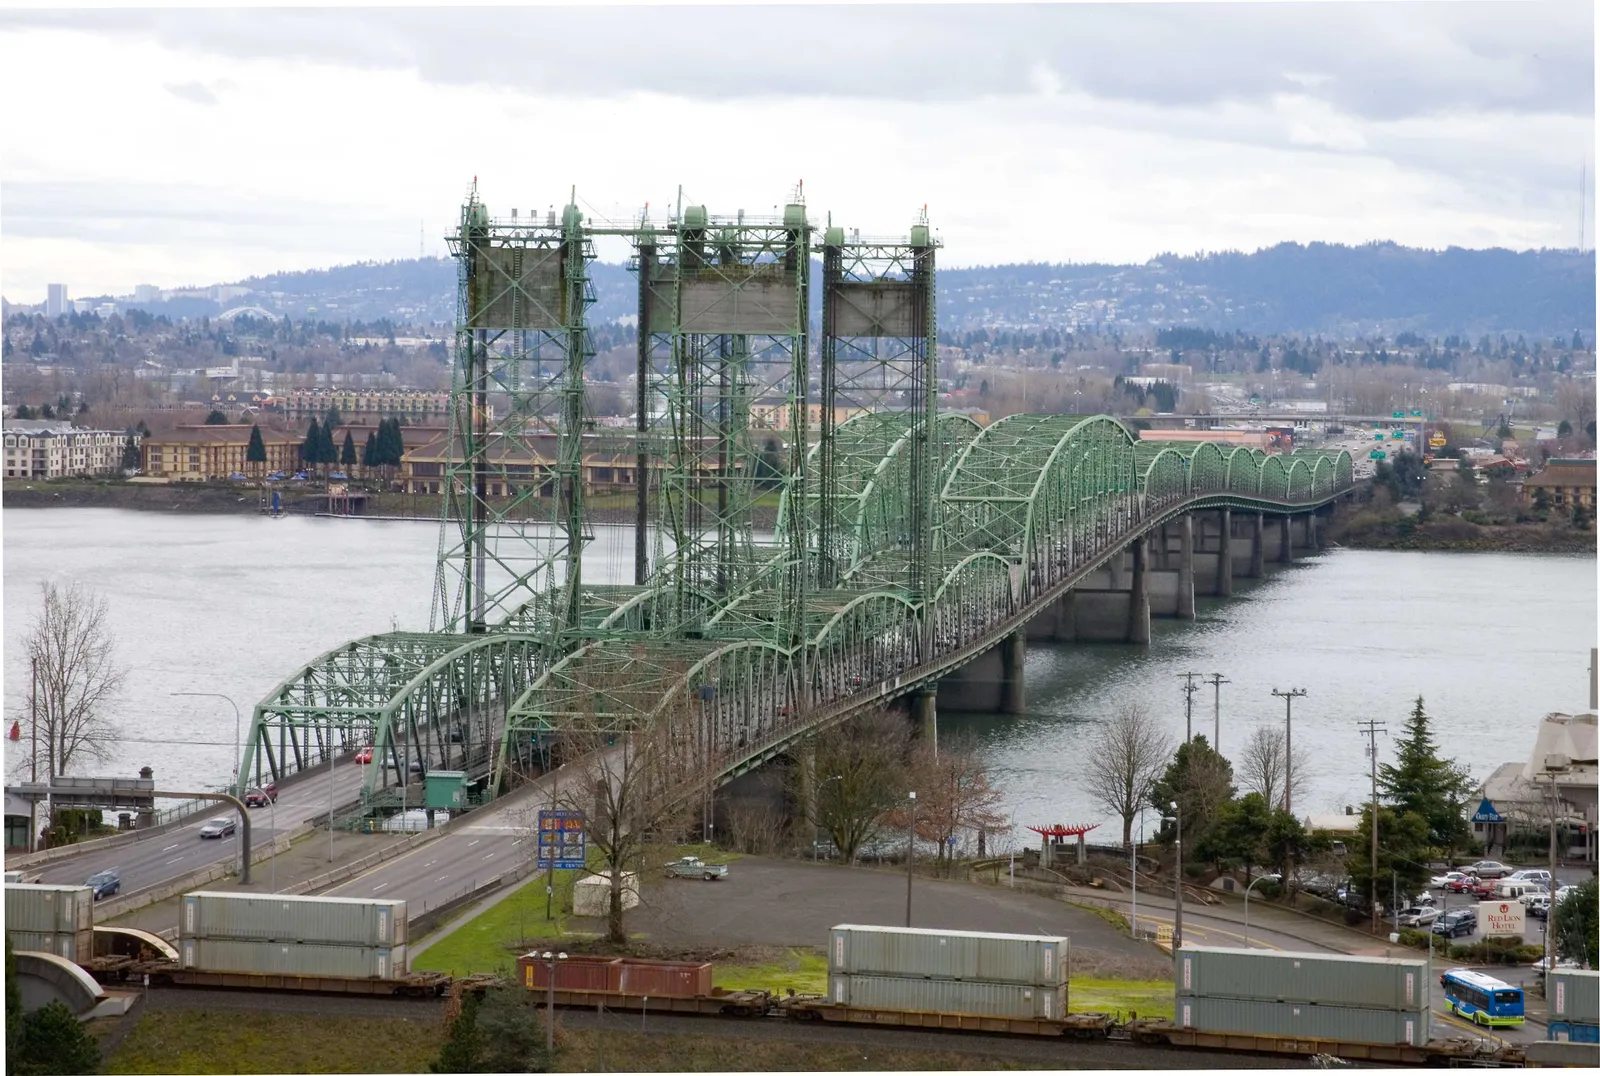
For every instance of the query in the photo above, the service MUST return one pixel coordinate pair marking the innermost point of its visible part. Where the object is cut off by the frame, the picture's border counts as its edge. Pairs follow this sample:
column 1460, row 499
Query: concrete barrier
column 419, row 925
column 143, row 898
column 355, row 867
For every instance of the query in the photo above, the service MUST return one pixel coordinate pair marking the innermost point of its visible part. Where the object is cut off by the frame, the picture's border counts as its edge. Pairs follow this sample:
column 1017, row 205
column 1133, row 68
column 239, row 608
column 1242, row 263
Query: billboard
column 1500, row 919
column 561, row 841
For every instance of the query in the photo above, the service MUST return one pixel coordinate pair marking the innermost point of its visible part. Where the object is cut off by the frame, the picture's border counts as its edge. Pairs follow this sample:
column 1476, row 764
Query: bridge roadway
column 168, row 856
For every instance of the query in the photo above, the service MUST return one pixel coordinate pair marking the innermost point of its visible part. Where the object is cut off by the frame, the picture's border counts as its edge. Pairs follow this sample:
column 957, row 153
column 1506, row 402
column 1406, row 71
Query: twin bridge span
column 913, row 552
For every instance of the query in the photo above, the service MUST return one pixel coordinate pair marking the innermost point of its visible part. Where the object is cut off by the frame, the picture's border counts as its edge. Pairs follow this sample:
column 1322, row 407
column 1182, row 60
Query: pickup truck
column 694, row 867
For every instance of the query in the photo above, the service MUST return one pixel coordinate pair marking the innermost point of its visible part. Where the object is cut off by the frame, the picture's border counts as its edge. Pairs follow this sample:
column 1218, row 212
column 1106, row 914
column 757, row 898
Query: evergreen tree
column 333, row 418
column 216, row 418
column 369, row 450
column 53, row 1043
column 24, row 411
column 130, row 454
column 311, row 447
column 512, row 1034
column 347, row 455
column 1576, row 927
column 1565, row 429
column 463, row 1046
column 256, row 452
column 1422, row 783
column 1404, row 847
column 46, row 411
column 327, row 451
column 1201, row 782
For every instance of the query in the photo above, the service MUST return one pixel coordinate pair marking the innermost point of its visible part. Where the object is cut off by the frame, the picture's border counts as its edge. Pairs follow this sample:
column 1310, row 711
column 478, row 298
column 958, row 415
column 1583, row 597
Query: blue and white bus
column 1481, row 998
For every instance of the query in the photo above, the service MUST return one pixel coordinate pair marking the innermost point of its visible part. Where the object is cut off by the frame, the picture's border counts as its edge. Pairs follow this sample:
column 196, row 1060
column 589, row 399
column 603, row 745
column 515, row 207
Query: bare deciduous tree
column 1127, row 758
column 1263, row 766
column 639, row 781
column 858, row 775
column 73, row 657
column 953, row 793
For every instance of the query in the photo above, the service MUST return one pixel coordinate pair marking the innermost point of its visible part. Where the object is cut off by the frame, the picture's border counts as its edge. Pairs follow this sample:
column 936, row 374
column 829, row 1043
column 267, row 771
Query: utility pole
column 1288, row 698
column 1177, row 882
column 1216, row 683
column 1370, row 729
column 33, row 765
column 1189, row 688
column 911, row 855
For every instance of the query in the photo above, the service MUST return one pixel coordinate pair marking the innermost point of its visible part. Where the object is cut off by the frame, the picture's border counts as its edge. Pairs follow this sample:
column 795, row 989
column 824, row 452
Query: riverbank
column 244, row 498
column 1390, row 529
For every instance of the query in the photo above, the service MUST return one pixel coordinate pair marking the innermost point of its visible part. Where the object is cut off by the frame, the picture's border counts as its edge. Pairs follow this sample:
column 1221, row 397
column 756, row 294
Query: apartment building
column 58, row 449
column 198, row 453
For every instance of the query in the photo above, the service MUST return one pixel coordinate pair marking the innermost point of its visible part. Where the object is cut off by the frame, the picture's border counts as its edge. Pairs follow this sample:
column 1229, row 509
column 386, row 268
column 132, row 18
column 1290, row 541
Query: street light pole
column 550, row 1002
column 1177, row 882
column 911, row 855
column 238, row 778
column 1252, row 885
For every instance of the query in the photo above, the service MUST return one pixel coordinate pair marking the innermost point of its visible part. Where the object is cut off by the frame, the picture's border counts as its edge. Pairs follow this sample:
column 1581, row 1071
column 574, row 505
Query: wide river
column 234, row 604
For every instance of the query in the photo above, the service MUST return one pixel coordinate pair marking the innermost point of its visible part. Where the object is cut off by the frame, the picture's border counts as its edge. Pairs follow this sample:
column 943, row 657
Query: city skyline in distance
column 233, row 143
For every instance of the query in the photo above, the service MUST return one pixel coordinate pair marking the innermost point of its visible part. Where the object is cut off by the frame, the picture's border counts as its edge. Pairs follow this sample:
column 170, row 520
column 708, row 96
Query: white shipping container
column 1575, row 995
column 49, row 909
column 320, row 920
column 1338, row 1023
column 1035, row 960
column 290, row 958
column 78, row 947
column 1017, row 1001
column 1396, row 984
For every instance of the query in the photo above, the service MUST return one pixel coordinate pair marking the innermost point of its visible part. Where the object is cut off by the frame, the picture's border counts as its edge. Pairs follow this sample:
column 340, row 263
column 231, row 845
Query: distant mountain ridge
column 1319, row 288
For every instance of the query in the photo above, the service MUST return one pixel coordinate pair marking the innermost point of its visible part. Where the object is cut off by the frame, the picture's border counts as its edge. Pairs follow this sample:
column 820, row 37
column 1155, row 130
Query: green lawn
column 801, row 970
column 1147, row 998
column 490, row 942
column 205, row 1042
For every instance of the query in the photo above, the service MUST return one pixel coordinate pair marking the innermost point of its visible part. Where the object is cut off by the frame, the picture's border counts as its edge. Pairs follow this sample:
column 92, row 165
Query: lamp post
column 550, row 1001
column 818, row 793
column 911, row 854
column 1252, row 885
column 238, row 778
column 1554, row 766
column 1133, row 876
column 1177, row 882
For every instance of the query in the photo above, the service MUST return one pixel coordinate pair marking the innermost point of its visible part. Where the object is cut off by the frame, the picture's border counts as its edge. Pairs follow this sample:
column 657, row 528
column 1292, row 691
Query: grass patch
column 207, row 1042
column 586, row 1050
column 801, row 970
column 491, row 941
column 1143, row 996
column 1116, row 919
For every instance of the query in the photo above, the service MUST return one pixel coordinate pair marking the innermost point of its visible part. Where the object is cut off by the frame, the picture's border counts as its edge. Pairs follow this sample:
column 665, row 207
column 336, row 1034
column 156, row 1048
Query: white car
column 1564, row 892
column 1439, row 881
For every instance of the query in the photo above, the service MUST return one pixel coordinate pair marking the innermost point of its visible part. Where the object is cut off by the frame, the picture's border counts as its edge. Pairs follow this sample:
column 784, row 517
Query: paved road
column 177, row 852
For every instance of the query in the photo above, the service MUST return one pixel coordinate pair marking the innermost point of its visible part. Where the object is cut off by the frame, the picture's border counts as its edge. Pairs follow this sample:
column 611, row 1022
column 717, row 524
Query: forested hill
column 1321, row 288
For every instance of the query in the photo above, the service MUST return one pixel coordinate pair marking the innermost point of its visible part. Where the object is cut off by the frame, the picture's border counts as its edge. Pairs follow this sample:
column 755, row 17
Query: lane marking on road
column 171, row 861
column 428, row 864
column 489, row 856
column 479, row 841
column 441, row 877
column 379, row 886
column 169, row 848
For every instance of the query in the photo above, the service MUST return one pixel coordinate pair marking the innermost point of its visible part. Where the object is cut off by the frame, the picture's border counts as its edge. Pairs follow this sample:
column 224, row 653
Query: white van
column 1514, row 889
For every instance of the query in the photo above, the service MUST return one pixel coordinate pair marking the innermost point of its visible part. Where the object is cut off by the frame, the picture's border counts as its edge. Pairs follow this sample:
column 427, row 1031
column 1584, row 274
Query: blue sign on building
column 1487, row 813
column 562, row 843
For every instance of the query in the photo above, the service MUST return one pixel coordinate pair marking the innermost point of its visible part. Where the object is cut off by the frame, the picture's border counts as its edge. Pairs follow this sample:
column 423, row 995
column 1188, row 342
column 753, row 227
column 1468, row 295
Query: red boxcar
column 574, row 973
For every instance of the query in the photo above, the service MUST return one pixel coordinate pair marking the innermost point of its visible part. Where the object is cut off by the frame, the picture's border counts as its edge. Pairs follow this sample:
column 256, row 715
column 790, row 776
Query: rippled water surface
column 235, row 604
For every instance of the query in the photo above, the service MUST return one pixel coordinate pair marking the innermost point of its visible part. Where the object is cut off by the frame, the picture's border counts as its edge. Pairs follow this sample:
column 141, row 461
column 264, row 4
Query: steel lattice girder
column 512, row 521
column 440, row 693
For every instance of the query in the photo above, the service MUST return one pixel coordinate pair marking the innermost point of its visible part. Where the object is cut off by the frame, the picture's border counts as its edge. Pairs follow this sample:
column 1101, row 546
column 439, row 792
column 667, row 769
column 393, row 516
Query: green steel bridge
column 813, row 536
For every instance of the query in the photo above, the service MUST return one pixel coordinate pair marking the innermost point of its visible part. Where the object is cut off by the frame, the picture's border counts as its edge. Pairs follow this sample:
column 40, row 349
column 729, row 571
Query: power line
column 1216, row 683
column 1370, row 728
column 1188, row 690
column 1288, row 698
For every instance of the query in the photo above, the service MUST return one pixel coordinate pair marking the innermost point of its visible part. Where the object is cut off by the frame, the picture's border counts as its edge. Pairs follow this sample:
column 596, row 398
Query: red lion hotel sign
column 1500, row 919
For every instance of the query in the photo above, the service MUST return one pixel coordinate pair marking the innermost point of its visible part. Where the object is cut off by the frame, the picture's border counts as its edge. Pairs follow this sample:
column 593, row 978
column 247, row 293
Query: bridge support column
column 1013, row 682
column 925, row 715
column 1117, row 566
column 1056, row 624
column 1285, row 541
column 1258, row 566
column 1186, row 567
column 1139, row 599
column 1224, row 582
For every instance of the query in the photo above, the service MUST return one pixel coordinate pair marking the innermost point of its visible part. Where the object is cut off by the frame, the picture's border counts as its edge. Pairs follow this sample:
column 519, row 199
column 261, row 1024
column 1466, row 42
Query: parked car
column 695, row 867
column 1461, row 883
column 1531, row 874
column 1442, row 881
column 218, row 828
column 1537, row 905
column 106, row 883
column 1489, row 868
column 1483, row 888
column 1543, row 963
column 261, row 797
column 1455, row 924
column 1563, row 893
column 1418, row 917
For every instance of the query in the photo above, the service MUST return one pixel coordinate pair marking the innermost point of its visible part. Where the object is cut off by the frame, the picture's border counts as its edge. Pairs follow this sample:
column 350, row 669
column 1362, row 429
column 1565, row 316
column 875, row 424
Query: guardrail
column 143, row 898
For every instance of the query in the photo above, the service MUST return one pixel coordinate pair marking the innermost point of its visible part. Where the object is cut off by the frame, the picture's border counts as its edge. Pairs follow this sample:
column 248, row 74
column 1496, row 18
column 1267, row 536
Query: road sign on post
column 562, row 841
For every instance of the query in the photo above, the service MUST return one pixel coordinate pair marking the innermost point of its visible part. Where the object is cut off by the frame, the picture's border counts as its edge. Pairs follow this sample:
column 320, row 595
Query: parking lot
column 789, row 902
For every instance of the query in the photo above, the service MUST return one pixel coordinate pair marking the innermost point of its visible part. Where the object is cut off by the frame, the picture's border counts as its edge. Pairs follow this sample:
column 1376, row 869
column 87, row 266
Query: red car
column 1483, row 887
column 1461, row 884
column 364, row 755
column 261, row 797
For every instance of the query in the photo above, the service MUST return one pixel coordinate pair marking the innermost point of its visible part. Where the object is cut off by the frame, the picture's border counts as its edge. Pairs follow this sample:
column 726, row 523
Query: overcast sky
column 197, row 146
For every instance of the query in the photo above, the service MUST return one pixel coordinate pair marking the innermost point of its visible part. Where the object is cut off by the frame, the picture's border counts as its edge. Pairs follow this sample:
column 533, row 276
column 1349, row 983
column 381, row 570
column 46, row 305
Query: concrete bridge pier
column 1258, row 542
column 1110, row 605
column 1171, row 573
column 1212, row 552
column 1285, row 541
column 1223, row 586
column 993, row 682
column 1055, row 623
column 925, row 715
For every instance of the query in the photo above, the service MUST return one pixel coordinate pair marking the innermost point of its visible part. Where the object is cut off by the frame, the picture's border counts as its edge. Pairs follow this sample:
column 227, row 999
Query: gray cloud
column 194, row 92
column 1371, row 60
